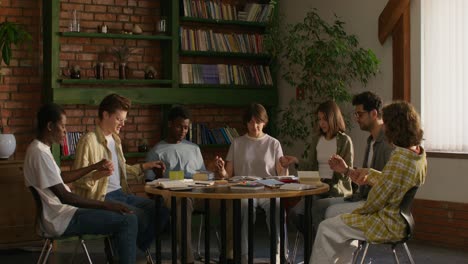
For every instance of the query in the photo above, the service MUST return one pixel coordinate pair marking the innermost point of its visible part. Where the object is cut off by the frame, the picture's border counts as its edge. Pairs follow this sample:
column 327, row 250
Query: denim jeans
column 144, row 209
column 123, row 228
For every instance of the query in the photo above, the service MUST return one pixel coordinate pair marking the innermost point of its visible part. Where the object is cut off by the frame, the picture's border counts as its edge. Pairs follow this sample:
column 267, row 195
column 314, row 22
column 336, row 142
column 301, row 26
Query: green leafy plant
column 322, row 61
column 122, row 53
column 10, row 34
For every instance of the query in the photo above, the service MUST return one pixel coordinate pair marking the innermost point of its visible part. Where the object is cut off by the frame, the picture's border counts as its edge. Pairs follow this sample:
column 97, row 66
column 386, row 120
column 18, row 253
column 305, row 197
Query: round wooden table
column 223, row 193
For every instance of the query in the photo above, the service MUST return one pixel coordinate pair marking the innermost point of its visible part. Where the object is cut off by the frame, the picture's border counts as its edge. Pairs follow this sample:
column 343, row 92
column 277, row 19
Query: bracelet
column 347, row 172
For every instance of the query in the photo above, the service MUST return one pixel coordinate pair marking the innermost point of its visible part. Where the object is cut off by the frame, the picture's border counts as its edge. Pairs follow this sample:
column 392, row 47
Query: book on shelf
column 69, row 143
column 200, row 134
column 248, row 186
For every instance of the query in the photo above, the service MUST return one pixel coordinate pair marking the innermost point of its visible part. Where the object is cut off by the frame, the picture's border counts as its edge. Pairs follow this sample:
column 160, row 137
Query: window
column 445, row 75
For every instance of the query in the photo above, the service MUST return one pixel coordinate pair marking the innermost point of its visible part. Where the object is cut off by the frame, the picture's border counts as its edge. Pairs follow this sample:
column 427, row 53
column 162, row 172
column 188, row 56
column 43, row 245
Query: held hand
column 118, row 208
column 359, row 176
column 104, row 168
column 102, row 173
column 158, row 164
column 285, row 161
column 337, row 164
column 104, row 165
column 219, row 162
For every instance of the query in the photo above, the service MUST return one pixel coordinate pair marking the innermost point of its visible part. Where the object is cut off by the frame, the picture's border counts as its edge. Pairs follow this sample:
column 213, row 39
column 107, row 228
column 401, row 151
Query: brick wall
column 21, row 85
column 441, row 223
column 119, row 16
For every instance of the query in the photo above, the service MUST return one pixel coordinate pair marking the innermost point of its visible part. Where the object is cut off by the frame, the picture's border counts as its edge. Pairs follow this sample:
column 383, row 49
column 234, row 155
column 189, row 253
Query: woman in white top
column 329, row 139
column 253, row 154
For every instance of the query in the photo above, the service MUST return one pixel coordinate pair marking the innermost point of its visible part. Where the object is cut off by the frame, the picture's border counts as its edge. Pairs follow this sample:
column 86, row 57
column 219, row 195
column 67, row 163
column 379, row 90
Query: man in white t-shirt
column 64, row 213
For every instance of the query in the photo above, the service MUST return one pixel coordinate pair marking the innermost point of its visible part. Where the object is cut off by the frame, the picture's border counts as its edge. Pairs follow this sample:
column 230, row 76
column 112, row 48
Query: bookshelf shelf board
column 222, row 87
column 113, row 36
column 139, row 95
column 126, row 155
column 114, row 81
column 223, row 54
column 223, row 22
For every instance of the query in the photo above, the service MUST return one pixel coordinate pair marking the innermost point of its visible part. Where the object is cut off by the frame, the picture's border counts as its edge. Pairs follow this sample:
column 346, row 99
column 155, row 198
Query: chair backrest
column 405, row 210
column 38, row 201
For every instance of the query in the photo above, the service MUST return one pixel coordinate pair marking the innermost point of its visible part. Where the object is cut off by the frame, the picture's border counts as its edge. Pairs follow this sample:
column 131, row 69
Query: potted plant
column 122, row 54
column 150, row 72
column 75, row 72
column 10, row 34
column 320, row 61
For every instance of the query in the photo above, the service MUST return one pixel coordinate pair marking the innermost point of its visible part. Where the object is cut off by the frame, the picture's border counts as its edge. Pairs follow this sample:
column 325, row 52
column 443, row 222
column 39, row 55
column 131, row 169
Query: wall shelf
column 138, row 95
column 114, row 36
column 223, row 22
column 224, row 54
column 114, row 81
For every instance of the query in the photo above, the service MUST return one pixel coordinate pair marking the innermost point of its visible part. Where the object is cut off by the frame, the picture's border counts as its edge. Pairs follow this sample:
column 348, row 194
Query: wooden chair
column 49, row 240
column 405, row 212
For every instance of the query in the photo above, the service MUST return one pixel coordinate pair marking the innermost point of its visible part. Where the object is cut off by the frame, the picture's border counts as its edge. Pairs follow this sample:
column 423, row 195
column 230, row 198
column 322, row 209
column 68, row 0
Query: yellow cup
column 176, row 175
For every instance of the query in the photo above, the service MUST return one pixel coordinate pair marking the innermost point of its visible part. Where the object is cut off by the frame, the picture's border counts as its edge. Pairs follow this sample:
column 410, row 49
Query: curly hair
column 402, row 124
column 369, row 102
column 178, row 111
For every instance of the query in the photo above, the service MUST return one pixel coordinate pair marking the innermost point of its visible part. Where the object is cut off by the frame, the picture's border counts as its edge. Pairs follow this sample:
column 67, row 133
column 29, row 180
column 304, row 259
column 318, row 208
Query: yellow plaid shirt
column 92, row 148
column 380, row 217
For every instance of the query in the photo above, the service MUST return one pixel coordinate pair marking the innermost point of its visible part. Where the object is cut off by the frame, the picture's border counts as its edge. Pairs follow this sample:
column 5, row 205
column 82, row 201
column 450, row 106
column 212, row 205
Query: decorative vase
column 149, row 75
column 123, row 71
column 75, row 74
column 7, row 145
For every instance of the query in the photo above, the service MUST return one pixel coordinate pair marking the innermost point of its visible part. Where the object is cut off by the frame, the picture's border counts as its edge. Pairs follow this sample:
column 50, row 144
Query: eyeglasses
column 120, row 120
column 358, row 114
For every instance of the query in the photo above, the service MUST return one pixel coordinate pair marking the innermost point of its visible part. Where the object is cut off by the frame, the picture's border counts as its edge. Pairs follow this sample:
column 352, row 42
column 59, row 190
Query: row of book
column 225, row 74
column 207, row 40
column 200, row 134
column 69, row 143
column 216, row 9
column 256, row 12
column 210, row 9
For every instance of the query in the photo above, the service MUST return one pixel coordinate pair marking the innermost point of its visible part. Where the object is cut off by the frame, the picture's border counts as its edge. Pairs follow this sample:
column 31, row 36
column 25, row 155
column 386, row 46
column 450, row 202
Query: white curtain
column 445, row 75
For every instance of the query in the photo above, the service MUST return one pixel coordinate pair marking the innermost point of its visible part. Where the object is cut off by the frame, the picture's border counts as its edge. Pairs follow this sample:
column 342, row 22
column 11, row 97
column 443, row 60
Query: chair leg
column 408, row 253
column 45, row 251
column 395, row 256
column 365, row 252
column 200, row 230
column 85, row 249
column 296, row 246
column 109, row 250
column 149, row 258
column 356, row 252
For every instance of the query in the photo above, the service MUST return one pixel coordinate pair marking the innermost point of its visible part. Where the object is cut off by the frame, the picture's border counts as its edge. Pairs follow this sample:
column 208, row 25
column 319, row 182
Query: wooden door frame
column 395, row 21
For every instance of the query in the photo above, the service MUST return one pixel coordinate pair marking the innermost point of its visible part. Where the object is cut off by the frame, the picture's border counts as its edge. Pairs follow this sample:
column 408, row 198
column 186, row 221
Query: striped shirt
column 380, row 217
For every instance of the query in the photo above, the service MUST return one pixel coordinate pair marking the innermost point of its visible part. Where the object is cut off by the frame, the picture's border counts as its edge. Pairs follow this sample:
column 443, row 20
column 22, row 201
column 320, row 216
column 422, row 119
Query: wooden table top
column 225, row 193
